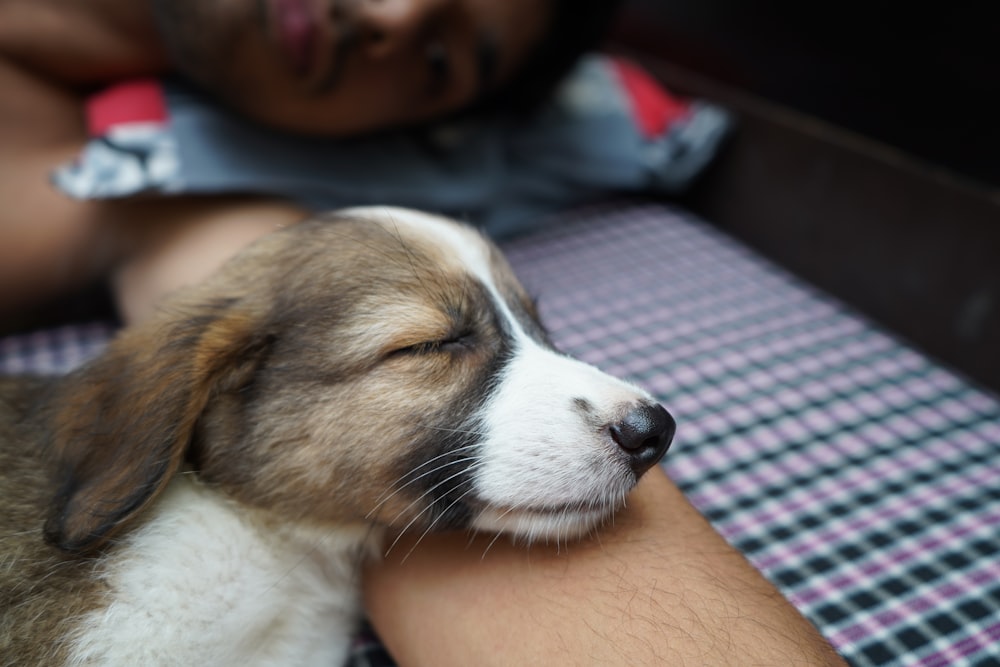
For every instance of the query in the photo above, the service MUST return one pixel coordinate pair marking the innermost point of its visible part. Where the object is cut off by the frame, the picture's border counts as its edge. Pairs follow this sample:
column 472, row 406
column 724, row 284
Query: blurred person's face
column 343, row 67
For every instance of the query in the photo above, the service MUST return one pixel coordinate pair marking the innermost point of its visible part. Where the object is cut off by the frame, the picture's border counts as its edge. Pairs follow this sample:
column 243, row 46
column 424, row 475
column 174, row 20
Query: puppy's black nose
column 645, row 435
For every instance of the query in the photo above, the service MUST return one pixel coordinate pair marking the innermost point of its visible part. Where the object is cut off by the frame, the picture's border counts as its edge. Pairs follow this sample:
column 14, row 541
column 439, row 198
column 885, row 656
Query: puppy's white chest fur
column 205, row 582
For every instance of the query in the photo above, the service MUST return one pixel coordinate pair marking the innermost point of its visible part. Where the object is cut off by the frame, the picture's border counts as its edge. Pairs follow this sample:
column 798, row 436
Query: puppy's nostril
column 644, row 435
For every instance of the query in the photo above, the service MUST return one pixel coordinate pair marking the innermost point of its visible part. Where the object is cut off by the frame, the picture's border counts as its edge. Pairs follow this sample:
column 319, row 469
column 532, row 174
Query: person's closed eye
column 439, row 69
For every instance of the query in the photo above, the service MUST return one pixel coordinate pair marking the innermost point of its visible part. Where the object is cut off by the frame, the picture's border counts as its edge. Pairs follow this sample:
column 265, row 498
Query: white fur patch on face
column 464, row 244
column 550, row 467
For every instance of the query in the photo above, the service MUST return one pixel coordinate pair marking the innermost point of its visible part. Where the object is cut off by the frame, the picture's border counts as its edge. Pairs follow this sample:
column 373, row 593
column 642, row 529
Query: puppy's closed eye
column 452, row 343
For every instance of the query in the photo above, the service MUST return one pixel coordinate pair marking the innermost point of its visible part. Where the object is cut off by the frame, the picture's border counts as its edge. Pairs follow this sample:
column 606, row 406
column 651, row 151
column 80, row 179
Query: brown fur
column 41, row 587
column 306, row 377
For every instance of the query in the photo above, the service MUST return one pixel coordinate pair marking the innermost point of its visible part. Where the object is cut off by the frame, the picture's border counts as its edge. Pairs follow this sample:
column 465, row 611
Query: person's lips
column 315, row 49
column 295, row 29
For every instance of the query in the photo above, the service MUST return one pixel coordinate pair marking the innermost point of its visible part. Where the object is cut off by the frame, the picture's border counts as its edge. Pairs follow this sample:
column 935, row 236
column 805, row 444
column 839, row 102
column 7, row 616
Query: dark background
column 921, row 77
column 882, row 186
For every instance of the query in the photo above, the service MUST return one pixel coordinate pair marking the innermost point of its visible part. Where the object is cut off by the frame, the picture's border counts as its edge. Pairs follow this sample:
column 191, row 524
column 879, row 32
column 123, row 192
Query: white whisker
column 438, row 518
column 499, row 533
column 429, row 506
column 453, row 430
column 398, row 486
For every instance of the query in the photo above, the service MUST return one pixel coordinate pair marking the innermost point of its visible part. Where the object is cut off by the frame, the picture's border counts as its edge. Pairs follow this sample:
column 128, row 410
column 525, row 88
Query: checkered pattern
column 53, row 351
column 861, row 477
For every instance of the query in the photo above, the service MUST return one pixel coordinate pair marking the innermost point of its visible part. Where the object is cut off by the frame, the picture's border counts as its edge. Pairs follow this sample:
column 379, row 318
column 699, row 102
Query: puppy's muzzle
column 644, row 435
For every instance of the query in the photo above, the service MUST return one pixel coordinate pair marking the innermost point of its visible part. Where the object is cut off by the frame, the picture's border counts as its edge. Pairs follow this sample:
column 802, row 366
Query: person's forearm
column 170, row 243
column 659, row 587
column 49, row 243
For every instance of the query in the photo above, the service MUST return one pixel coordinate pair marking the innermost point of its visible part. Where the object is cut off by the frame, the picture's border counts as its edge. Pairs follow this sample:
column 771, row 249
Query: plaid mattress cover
column 859, row 476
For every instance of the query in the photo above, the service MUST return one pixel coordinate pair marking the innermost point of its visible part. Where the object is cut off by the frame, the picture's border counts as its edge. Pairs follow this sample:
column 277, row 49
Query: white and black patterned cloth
column 858, row 475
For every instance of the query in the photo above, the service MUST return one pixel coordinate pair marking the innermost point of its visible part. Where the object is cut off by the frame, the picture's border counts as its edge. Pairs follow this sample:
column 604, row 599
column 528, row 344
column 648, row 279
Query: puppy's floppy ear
column 121, row 424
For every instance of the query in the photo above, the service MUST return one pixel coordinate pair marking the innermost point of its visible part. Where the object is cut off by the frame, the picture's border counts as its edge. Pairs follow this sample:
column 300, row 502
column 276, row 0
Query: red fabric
column 137, row 101
column 653, row 109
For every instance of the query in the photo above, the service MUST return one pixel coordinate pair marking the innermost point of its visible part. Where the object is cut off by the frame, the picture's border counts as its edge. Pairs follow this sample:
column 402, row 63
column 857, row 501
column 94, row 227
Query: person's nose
column 388, row 27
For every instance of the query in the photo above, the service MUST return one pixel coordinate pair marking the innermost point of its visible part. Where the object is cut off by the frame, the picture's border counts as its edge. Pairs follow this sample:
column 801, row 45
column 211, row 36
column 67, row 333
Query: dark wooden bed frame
column 911, row 244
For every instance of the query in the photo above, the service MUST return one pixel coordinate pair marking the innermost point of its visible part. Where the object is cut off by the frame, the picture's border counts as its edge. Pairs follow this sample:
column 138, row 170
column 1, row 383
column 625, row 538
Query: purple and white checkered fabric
column 861, row 477
column 53, row 351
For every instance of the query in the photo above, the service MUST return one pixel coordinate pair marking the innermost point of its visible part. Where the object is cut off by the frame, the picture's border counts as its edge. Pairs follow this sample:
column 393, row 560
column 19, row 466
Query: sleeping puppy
column 204, row 491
